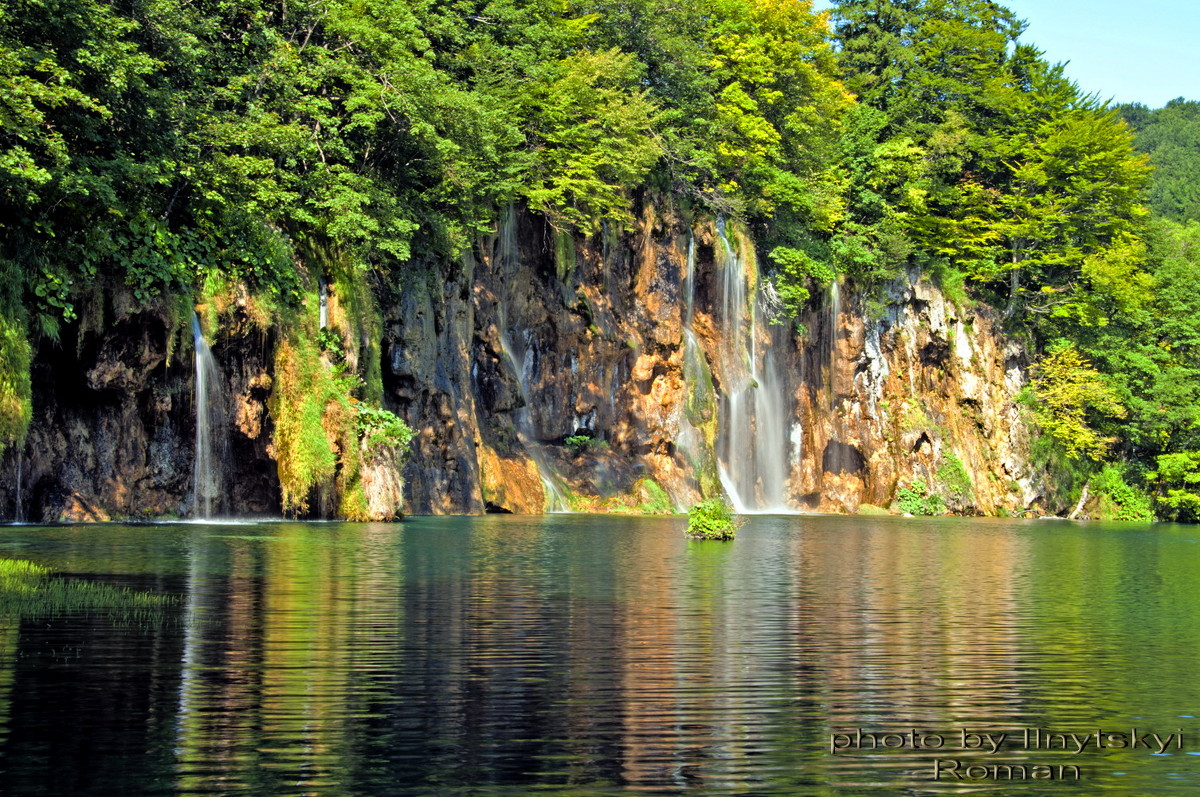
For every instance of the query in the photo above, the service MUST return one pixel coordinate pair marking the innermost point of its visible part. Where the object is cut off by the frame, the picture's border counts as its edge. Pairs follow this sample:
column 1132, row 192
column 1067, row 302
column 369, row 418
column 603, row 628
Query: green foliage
column 580, row 443
column 795, row 271
column 31, row 592
column 977, row 152
column 954, row 482
column 330, row 340
column 15, row 391
column 577, row 444
column 309, row 409
column 1178, row 483
column 916, row 499
column 379, row 428
column 1171, row 137
column 1120, row 500
column 712, row 519
column 1067, row 390
column 592, row 136
column 655, row 500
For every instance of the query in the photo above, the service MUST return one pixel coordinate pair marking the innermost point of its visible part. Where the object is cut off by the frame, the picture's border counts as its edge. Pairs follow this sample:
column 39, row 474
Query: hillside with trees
column 163, row 147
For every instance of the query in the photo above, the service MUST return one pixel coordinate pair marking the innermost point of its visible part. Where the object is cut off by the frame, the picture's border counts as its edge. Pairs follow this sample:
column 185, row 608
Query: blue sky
column 1147, row 53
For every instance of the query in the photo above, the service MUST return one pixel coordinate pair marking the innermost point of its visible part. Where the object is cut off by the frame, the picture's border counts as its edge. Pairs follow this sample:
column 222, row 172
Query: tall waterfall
column 833, row 309
column 523, row 360
column 752, row 449
column 18, row 508
column 206, row 475
column 697, row 409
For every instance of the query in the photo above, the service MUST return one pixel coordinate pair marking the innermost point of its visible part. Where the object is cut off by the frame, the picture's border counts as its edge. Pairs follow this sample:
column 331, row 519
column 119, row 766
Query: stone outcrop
column 572, row 337
column 925, row 392
column 544, row 370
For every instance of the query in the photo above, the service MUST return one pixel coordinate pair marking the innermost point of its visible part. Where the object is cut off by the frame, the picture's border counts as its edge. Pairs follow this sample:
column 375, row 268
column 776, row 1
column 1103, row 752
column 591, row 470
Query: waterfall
column 697, row 380
column 17, row 509
column 524, row 364
column 206, row 473
column 524, row 367
column 834, row 459
column 834, row 309
column 322, row 302
column 754, row 461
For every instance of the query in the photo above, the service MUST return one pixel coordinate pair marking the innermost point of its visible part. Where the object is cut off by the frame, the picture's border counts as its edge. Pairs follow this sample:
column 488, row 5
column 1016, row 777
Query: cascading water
column 697, row 379
column 833, row 459
column 834, row 310
column 524, row 364
column 322, row 302
column 523, row 367
column 753, row 447
column 18, row 509
column 206, row 475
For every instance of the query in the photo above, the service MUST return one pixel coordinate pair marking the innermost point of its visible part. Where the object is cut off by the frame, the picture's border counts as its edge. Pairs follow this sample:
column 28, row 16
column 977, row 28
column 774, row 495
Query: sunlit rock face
column 663, row 347
column 630, row 370
column 903, row 395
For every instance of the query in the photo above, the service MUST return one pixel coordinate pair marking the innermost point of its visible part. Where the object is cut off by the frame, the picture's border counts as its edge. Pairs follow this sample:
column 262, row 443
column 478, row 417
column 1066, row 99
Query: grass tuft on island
column 31, row 591
column 712, row 519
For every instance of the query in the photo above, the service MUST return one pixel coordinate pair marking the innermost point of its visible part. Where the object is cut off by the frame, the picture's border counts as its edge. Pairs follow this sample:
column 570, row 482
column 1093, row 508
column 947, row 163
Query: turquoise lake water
column 588, row 655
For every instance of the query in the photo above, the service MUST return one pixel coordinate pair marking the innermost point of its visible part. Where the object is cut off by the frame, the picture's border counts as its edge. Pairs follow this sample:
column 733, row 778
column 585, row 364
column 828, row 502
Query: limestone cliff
column 659, row 348
column 618, row 372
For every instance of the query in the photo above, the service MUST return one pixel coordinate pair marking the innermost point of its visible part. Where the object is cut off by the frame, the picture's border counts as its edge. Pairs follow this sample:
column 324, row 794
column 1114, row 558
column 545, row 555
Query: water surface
column 605, row 655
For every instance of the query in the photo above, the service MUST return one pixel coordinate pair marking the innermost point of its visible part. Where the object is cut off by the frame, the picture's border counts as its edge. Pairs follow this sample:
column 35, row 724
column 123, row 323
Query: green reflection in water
column 592, row 655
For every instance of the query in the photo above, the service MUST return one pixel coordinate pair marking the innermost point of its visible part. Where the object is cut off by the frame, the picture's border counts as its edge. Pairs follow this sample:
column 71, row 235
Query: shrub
column 1120, row 500
column 712, row 519
column 917, row 500
column 955, row 482
column 578, row 443
column 378, row 428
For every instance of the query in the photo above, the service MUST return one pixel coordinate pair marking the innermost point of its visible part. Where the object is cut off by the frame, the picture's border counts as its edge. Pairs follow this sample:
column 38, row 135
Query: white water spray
column 697, row 379
column 206, row 475
column 322, row 302
column 834, row 310
column 524, row 364
column 755, row 434
column 18, row 509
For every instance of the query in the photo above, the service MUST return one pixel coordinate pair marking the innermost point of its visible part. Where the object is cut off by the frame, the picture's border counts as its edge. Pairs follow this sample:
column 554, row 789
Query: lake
column 600, row 655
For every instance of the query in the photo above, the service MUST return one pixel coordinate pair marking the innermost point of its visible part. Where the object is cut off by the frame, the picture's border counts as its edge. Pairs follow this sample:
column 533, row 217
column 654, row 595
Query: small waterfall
column 18, row 508
column 206, row 474
column 754, row 461
column 323, row 302
column 524, row 365
column 697, row 380
column 833, row 459
column 833, row 308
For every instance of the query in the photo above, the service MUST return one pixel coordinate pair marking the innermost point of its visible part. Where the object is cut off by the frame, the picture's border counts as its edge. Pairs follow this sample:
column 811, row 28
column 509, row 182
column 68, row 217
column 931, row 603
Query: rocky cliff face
column 621, row 372
column 659, row 348
column 114, row 423
column 923, row 392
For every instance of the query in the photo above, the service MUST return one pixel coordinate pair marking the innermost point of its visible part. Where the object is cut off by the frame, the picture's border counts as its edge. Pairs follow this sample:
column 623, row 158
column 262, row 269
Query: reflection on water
column 588, row 655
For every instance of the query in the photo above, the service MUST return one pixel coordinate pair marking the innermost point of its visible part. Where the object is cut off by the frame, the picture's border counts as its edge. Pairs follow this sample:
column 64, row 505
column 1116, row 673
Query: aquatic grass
column 31, row 591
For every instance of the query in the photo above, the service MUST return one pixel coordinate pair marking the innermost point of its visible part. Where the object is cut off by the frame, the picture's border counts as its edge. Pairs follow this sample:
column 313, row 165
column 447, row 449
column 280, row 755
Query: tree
column 1171, row 137
column 1068, row 390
